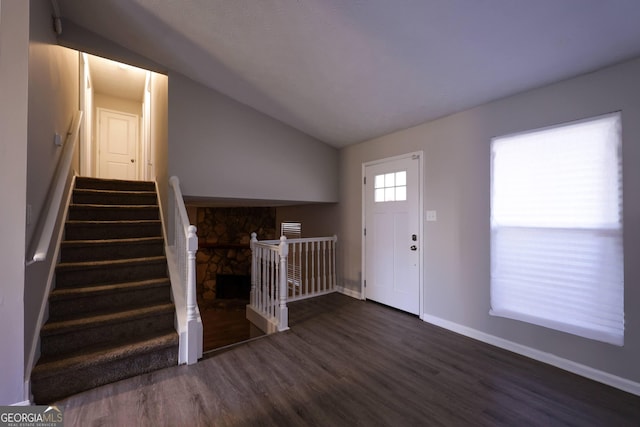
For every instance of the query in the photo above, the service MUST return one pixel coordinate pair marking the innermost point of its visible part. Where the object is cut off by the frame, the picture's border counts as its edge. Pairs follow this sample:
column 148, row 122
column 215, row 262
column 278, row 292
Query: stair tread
column 127, row 240
column 90, row 320
column 81, row 179
column 47, row 367
column 117, row 191
column 114, row 262
column 102, row 206
column 85, row 291
column 117, row 221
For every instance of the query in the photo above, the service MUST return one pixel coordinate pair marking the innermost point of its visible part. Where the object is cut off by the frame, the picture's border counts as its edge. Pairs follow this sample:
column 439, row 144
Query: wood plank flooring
column 225, row 325
column 346, row 362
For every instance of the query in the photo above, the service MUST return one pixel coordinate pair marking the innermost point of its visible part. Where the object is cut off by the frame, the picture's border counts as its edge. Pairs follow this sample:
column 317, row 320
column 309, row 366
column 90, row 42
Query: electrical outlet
column 432, row 216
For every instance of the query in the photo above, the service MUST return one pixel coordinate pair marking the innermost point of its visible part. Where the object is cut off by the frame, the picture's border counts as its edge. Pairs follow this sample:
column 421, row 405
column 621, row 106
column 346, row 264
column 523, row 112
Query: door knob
column 132, row 161
column 414, row 248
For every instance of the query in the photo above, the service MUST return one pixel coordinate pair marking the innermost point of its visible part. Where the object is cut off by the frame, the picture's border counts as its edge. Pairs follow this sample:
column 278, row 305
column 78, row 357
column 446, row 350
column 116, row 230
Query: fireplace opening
column 233, row 286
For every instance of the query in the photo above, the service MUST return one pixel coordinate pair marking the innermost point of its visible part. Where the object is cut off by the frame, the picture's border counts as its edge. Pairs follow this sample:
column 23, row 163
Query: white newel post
column 283, row 314
column 192, row 322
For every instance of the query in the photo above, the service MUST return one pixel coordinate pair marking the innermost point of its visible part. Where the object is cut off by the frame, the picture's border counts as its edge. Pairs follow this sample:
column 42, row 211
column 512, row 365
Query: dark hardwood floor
column 346, row 362
column 225, row 323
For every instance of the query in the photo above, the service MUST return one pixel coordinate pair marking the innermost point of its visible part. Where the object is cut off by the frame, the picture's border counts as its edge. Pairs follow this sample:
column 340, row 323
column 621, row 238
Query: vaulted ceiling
column 346, row 71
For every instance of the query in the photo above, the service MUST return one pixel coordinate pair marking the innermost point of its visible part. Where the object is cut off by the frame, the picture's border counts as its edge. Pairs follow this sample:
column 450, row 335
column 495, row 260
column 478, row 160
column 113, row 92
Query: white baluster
column 324, row 265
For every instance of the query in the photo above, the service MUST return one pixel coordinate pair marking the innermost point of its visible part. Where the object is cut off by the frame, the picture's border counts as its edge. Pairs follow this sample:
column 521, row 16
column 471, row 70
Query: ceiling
column 348, row 71
column 115, row 79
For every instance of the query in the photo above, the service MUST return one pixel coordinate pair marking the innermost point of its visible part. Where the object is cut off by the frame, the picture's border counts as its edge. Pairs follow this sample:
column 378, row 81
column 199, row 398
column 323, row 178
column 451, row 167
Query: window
column 292, row 230
column 391, row 187
column 556, row 228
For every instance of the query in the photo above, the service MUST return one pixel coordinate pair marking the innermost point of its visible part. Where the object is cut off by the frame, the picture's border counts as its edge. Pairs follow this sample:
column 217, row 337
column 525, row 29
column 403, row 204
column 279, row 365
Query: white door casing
column 392, row 235
column 117, row 145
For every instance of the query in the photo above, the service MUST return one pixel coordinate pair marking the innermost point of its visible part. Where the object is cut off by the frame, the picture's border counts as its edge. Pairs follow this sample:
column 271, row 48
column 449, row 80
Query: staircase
column 110, row 315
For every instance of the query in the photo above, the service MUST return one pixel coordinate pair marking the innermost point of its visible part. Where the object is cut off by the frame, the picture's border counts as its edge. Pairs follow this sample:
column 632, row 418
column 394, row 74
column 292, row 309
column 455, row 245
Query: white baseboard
column 23, row 403
column 541, row 356
column 349, row 292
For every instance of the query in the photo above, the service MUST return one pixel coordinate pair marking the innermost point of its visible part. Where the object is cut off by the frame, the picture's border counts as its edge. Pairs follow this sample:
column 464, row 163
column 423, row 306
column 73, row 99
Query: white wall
column 14, row 49
column 160, row 134
column 53, row 100
column 456, row 183
column 219, row 147
column 101, row 100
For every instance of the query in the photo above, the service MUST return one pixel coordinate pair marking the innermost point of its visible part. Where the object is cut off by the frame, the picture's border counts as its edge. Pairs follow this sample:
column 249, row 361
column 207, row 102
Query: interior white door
column 118, row 145
column 392, row 233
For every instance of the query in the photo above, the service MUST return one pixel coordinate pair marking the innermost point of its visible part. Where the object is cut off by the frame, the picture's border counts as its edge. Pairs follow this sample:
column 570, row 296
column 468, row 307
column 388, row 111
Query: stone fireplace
column 224, row 253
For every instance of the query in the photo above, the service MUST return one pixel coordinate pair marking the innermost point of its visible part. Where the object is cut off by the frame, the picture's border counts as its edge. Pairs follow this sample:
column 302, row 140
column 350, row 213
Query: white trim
column 349, row 292
column 420, row 155
column 541, row 356
column 268, row 326
column 23, row 403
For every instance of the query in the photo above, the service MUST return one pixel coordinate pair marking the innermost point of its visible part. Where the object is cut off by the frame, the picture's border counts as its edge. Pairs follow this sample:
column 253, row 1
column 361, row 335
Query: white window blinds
column 291, row 230
column 556, row 228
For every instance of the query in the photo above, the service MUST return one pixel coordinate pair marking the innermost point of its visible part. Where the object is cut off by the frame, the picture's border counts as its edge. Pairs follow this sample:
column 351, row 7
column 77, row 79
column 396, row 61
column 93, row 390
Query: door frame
column 419, row 156
column 99, row 111
column 86, row 105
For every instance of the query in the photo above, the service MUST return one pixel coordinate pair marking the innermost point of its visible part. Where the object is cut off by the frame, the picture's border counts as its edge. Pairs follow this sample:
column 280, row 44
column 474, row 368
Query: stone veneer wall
column 224, row 235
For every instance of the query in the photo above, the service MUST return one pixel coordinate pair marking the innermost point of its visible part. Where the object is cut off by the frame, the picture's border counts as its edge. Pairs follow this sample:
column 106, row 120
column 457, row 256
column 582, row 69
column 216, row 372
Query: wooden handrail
column 53, row 207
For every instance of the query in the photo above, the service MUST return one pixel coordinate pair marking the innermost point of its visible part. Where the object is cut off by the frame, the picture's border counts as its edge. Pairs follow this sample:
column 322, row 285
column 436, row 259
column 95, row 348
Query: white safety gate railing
column 312, row 267
column 288, row 270
column 182, row 255
column 269, row 284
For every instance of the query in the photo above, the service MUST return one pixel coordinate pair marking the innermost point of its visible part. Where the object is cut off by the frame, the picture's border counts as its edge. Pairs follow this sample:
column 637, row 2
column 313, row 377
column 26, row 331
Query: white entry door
column 117, row 145
column 392, row 237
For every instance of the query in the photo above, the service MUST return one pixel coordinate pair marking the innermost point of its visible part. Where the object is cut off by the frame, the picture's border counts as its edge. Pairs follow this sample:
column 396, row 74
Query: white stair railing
column 182, row 255
column 57, row 191
column 288, row 270
column 312, row 266
column 268, row 302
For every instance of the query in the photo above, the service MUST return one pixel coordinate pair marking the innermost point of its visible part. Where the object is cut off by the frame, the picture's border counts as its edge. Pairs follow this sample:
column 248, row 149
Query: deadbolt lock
column 414, row 237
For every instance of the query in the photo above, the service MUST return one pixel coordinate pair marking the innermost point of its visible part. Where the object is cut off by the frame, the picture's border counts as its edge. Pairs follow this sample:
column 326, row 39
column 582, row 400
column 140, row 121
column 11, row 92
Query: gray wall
column 53, row 100
column 456, row 184
column 14, row 59
column 219, row 147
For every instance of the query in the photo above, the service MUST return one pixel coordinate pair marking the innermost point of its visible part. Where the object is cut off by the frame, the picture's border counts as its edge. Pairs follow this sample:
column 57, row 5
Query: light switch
column 432, row 216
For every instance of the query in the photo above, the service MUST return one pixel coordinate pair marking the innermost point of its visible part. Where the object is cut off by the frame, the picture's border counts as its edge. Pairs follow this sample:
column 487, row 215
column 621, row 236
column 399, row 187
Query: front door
column 392, row 241
column 118, row 145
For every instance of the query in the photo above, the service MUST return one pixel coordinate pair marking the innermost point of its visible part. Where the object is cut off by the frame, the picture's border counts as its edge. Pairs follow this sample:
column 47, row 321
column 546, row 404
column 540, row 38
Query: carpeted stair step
column 58, row 338
column 94, row 230
column 74, row 274
column 74, row 302
column 112, row 249
column 109, row 197
column 55, row 379
column 114, row 184
column 87, row 212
